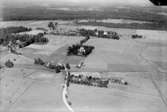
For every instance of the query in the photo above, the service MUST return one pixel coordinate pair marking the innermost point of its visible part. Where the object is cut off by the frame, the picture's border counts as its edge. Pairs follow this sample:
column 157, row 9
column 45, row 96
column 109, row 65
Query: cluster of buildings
column 80, row 49
column 100, row 33
column 118, row 81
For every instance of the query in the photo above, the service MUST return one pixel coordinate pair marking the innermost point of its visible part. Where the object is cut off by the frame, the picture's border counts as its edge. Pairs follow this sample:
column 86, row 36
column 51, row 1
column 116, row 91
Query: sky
column 79, row 2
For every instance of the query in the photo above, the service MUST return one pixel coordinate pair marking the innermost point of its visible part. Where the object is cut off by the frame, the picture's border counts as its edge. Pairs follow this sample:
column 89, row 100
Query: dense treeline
column 89, row 81
column 25, row 39
column 9, row 34
column 10, row 30
column 85, row 32
column 57, row 67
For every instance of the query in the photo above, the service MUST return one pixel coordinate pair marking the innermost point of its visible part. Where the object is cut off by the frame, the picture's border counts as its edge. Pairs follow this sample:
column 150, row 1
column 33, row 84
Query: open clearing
column 141, row 62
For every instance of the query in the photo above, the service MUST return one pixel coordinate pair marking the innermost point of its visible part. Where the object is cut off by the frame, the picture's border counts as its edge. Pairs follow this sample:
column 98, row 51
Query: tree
column 56, row 24
column 51, row 25
column 68, row 66
column 39, row 61
column 9, row 64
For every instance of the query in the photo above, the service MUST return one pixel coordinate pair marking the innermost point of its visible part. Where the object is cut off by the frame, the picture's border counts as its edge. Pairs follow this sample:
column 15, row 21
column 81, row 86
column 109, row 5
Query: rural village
column 83, row 64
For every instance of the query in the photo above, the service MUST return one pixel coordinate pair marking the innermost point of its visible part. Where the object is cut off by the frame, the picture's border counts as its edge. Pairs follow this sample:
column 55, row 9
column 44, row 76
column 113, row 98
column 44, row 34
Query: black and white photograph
column 83, row 56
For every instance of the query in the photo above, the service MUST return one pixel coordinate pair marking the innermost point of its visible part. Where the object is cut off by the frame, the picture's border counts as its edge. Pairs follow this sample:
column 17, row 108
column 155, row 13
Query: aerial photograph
column 83, row 56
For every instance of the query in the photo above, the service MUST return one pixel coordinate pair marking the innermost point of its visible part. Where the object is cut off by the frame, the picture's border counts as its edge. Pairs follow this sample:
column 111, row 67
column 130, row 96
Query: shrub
column 0, row 66
column 84, row 32
column 136, row 36
column 68, row 66
column 1, row 41
column 39, row 61
column 88, row 50
column 7, row 35
column 9, row 64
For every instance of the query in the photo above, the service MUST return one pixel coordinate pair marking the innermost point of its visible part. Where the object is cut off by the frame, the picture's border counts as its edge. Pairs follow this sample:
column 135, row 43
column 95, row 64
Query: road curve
column 65, row 96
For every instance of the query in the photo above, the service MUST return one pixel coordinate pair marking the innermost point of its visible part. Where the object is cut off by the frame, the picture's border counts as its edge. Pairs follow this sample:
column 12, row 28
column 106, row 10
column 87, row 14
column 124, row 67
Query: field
column 141, row 62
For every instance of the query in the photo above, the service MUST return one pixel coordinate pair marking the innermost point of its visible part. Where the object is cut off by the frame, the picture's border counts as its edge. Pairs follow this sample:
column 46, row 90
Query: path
column 155, row 72
column 65, row 96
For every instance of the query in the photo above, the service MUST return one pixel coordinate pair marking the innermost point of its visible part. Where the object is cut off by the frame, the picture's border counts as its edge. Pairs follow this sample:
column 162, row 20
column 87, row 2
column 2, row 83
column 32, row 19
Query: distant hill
column 69, row 12
column 151, row 14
